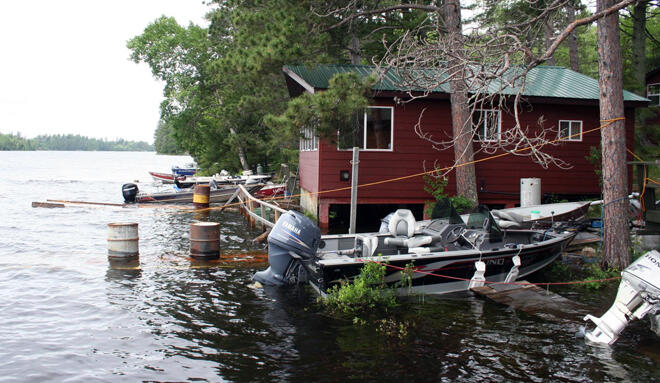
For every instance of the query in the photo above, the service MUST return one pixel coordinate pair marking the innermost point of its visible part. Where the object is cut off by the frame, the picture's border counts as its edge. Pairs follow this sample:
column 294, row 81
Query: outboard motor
column 638, row 295
column 294, row 238
column 129, row 191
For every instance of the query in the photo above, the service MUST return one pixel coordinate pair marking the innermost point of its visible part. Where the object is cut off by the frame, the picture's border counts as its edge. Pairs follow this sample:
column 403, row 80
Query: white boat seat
column 402, row 223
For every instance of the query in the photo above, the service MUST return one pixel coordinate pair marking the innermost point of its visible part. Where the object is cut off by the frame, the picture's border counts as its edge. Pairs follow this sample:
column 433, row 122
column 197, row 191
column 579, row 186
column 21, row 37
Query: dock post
column 354, row 186
column 263, row 215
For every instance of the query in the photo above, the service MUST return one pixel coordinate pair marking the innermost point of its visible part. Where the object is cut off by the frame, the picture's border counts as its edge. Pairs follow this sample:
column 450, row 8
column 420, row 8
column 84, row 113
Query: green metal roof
column 542, row 81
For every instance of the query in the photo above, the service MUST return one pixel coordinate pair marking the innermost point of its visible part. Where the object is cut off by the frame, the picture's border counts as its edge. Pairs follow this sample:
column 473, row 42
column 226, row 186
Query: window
column 653, row 93
column 372, row 130
column 487, row 124
column 570, row 130
column 308, row 139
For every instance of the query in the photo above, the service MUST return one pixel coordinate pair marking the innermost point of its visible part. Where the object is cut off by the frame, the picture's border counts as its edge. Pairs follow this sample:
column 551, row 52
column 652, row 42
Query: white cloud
column 65, row 66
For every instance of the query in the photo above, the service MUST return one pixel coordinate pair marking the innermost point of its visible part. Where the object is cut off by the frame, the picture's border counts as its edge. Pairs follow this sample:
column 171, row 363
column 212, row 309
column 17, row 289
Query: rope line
column 502, row 283
column 607, row 123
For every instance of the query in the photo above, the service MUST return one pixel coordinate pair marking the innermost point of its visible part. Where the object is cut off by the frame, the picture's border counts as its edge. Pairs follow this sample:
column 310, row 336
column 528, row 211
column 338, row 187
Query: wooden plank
column 231, row 199
column 49, row 205
column 534, row 300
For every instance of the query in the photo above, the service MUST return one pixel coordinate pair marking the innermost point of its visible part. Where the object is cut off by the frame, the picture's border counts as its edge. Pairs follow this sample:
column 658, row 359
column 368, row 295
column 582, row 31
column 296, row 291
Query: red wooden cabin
column 390, row 148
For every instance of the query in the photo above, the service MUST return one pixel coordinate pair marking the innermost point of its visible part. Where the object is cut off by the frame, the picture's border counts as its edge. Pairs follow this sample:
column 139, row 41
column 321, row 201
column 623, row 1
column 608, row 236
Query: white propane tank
column 530, row 192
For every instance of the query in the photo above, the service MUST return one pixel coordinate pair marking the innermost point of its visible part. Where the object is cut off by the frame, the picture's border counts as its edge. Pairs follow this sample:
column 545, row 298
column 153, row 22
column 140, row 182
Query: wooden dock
column 534, row 300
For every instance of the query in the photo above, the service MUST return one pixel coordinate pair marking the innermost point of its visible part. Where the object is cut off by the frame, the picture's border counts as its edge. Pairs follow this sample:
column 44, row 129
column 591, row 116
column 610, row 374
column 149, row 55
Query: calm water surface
column 68, row 315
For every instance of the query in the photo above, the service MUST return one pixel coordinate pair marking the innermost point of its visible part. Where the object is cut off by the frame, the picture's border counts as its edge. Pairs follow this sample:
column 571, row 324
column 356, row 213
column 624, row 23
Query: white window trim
column 568, row 138
column 499, row 126
column 649, row 94
column 364, row 131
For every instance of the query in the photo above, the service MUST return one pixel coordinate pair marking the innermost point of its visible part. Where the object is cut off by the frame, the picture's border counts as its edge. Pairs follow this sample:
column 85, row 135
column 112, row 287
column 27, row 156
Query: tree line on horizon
column 70, row 142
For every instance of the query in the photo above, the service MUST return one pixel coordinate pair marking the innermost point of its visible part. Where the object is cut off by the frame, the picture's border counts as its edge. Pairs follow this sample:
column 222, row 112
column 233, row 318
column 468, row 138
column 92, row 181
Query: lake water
column 68, row 315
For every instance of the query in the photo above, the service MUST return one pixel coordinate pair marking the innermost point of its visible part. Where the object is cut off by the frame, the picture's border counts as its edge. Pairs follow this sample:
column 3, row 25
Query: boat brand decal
column 291, row 227
column 499, row 261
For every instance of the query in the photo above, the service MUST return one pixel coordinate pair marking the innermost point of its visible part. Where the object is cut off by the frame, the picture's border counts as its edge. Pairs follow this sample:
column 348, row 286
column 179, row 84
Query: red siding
column 412, row 155
column 308, row 170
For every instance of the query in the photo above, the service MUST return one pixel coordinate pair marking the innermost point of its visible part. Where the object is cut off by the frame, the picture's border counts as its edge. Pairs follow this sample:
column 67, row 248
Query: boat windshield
column 444, row 210
column 481, row 219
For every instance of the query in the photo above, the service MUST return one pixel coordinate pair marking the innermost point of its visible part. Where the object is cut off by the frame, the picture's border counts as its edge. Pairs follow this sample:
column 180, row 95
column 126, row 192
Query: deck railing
column 247, row 207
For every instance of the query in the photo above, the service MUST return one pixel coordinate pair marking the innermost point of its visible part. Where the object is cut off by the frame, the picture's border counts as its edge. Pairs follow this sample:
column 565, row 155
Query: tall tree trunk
column 639, row 46
column 239, row 150
column 547, row 28
column 572, row 40
column 354, row 50
column 466, row 180
column 616, row 237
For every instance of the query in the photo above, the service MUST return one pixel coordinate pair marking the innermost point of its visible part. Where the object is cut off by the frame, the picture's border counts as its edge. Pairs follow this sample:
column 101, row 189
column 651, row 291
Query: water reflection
column 123, row 269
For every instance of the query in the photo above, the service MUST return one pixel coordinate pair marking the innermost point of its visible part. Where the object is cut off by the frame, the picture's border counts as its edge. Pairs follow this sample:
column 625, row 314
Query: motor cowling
column 129, row 191
column 293, row 239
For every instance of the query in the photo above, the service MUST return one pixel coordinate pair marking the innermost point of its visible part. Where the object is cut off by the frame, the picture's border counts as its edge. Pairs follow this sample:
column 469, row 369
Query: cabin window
column 653, row 94
column 308, row 139
column 487, row 124
column 570, row 130
column 372, row 130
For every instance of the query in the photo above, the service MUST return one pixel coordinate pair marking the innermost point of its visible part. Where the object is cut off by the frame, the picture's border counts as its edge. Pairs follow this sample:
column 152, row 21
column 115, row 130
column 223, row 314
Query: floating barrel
column 123, row 240
column 201, row 196
column 205, row 240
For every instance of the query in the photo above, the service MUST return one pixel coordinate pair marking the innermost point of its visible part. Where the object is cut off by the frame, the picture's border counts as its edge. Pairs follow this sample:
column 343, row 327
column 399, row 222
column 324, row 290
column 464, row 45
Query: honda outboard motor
column 638, row 295
column 294, row 238
column 129, row 191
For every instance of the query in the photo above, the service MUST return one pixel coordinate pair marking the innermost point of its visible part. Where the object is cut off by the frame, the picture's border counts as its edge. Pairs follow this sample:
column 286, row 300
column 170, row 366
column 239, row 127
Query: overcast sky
column 65, row 67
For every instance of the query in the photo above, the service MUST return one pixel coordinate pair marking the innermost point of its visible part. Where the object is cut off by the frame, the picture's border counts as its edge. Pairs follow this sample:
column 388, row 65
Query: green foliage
column 595, row 158
column 15, row 142
column 328, row 112
column 365, row 293
column 164, row 140
column 595, row 272
column 436, row 187
column 70, row 142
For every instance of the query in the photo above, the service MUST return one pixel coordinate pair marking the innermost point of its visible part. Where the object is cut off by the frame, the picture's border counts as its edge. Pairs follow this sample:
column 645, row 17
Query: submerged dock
column 532, row 299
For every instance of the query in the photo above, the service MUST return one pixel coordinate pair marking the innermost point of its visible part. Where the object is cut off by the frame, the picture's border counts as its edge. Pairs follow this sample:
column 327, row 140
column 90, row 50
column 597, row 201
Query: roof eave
column 299, row 80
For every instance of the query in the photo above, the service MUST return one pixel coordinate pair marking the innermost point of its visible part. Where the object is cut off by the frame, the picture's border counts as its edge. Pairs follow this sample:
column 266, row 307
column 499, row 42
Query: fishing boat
column 223, row 179
column 166, row 178
column 541, row 215
column 187, row 170
column 223, row 193
column 271, row 190
column 446, row 254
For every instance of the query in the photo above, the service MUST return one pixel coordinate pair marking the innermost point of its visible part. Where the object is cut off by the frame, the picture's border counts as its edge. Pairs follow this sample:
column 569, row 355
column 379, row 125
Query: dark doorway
column 368, row 216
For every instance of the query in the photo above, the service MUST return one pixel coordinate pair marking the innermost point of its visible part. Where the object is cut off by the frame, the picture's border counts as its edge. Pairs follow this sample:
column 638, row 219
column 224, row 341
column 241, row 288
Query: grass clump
column 366, row 293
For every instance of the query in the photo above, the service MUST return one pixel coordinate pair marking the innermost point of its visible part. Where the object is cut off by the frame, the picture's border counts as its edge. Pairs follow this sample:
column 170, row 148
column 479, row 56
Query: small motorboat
column 446, row 254
column 187, row 170
column 541, row 215
column 223, row 178
column 271, row 190
column 222, row 193
column 166, row 178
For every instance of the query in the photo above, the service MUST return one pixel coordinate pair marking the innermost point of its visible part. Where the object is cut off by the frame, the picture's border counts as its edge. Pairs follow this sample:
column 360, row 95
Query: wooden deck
column 534, row 300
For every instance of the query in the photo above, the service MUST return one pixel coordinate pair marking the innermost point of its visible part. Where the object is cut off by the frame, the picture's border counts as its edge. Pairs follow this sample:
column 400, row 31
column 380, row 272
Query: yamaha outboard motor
column 129, row 191
column 293, row 239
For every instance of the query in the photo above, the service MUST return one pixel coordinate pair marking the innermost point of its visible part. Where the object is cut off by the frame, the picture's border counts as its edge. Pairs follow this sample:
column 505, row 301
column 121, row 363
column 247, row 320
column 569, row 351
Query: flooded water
column 68, row 315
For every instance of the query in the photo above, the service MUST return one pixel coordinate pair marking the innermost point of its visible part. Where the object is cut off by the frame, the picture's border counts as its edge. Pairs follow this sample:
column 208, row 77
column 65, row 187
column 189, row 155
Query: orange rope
column 447, row 168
